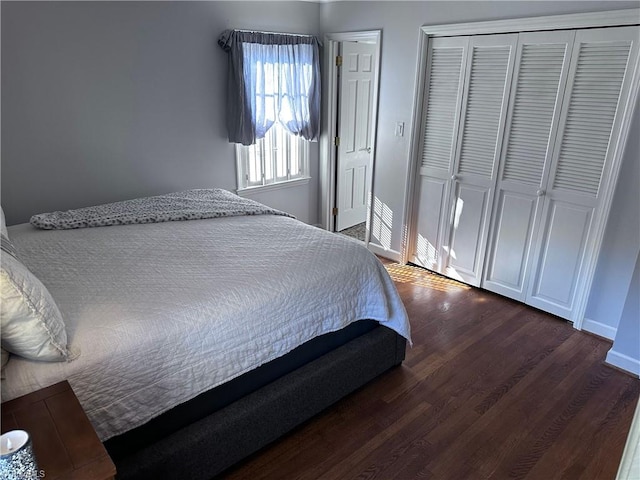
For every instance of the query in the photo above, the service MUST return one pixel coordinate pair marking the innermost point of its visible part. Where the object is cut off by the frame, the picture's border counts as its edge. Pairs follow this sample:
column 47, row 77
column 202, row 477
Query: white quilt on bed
column 162, row 312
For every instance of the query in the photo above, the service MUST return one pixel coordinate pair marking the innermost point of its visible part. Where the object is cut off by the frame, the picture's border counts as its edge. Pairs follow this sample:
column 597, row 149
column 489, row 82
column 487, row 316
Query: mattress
column 163, row 312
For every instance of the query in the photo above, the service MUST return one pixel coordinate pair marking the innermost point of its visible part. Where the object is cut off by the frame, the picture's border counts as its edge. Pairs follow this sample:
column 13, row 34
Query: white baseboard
column 385, row 252
column 624, row 362
column 599, row 328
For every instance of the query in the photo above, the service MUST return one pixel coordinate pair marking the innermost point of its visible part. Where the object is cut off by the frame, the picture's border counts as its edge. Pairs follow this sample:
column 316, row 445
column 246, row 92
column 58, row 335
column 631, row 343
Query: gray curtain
column 272, row 77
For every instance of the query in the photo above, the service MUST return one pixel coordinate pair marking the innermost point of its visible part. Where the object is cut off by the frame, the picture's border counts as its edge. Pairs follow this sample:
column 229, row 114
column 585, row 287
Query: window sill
column 247, row 192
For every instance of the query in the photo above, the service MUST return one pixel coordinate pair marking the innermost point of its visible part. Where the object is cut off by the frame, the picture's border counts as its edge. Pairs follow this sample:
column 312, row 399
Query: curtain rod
column 273, row 33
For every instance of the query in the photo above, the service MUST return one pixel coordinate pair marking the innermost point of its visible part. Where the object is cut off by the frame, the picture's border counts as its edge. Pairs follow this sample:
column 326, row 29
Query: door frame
column 571, row 21
column 328, row 154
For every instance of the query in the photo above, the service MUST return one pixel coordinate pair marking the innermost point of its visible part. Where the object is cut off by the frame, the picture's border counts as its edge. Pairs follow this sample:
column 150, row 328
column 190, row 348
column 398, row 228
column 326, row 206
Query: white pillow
column 31, row 323
column 3, row 225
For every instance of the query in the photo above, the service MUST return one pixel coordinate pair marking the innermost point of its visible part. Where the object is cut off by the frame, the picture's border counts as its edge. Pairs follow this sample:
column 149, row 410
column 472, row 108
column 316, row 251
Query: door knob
column 368, row 149
column 455, row 177
column 540, row 193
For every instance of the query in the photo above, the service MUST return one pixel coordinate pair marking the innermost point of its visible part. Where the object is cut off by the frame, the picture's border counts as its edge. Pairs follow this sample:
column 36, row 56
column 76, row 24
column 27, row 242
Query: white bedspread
column 162, row 312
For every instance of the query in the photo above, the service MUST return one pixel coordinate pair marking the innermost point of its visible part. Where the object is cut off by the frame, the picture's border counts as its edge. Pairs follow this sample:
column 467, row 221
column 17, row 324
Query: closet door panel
column 431, row 204
column 469, row 214
column 598, row 72
column 513, row 231
column 488, row 78
column 597, row 90
column 446, row 63
column 542, row 66
column 443, row 97
column 560, row 258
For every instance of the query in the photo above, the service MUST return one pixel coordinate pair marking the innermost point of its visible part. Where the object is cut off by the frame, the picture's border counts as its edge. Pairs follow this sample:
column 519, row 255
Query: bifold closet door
column 598, row 88
column 465, row 110
column 542, row 66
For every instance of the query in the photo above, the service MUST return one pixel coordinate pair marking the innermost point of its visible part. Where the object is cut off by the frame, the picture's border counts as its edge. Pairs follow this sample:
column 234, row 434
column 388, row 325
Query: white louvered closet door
column 441, row 106
column 489, row 69
column 539, row 79
column 598, row 88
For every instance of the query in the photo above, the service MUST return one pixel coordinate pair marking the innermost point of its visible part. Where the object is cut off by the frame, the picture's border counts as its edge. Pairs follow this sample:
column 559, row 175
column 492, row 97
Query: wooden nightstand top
column 64, row 441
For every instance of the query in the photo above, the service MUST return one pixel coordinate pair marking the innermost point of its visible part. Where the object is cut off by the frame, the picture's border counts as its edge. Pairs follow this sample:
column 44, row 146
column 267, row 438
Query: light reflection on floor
column 421, row 277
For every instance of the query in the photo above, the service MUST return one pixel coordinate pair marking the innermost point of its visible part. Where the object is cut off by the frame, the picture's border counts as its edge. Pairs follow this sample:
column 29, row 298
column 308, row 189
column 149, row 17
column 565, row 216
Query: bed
column 199, row 342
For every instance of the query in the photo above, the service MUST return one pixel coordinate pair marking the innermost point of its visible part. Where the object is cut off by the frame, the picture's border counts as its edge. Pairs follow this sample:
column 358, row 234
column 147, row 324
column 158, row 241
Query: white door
column 598, row 86
column 488, row 80
column 542, row 65
column 354, row 157
column 442, row 102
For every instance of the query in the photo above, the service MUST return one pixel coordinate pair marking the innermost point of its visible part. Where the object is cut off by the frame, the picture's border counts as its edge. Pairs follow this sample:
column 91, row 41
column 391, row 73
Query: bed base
column 211, row 445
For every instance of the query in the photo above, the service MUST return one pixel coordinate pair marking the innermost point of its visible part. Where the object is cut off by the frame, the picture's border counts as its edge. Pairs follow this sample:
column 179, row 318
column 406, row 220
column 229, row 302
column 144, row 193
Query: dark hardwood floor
column 490, row 389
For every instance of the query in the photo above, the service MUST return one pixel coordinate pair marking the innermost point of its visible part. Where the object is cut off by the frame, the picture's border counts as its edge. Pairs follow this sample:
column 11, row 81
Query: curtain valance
column 273, row 77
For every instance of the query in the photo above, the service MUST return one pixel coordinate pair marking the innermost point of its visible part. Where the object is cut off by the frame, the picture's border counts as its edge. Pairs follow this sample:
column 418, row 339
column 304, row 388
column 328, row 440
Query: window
column 273, row 105
column 277, row 158
column 273, row 78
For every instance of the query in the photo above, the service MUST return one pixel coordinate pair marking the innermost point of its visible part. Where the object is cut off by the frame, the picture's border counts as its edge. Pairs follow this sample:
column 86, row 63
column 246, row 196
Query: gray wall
column 103, row 101
column 620, row 245
column 625, row 352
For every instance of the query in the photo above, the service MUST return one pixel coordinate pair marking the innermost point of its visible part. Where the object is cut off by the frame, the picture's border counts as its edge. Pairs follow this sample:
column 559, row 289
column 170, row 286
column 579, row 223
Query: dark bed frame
column 206, row 436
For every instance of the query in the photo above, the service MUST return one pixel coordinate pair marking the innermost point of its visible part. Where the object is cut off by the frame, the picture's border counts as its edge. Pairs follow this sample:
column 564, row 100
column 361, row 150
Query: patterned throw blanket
column 187, row 205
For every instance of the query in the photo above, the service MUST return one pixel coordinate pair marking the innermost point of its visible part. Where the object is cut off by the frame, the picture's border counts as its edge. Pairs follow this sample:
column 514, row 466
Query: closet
column 518, row 133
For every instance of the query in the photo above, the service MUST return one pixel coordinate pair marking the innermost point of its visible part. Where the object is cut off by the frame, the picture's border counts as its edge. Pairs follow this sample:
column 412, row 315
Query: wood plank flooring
column 490, row 389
